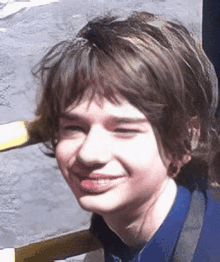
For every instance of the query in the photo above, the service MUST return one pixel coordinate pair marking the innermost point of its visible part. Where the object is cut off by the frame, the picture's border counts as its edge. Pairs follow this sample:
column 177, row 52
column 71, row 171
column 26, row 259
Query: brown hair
column 154, row 64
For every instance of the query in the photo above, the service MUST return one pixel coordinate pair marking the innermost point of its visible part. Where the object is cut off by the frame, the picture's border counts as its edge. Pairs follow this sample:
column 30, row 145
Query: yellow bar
column 12, row 135
column 7, row 255
column 56, row 248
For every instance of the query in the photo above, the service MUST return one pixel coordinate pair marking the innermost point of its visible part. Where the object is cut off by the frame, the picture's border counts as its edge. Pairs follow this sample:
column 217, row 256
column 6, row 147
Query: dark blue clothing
column 162, row 245
column 208, row 248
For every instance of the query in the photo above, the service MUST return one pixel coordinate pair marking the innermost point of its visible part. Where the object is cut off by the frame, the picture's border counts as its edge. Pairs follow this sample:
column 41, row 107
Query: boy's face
column 109, row 156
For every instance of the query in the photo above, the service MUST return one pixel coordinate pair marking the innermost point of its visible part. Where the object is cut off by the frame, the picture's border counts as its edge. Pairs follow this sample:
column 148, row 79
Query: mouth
column 97, row 183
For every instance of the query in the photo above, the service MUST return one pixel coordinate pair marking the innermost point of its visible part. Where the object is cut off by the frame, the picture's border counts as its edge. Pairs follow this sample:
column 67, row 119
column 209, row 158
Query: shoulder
column 214, row 192
column 213, row 201
column 208, row 248
column 212, row 213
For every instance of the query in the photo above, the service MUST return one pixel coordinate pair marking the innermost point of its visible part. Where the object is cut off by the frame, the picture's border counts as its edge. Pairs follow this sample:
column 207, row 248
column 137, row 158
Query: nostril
column 83, row 165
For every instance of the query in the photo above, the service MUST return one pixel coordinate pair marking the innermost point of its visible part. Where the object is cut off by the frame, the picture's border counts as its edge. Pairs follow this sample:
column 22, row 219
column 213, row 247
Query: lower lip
column 97, row 186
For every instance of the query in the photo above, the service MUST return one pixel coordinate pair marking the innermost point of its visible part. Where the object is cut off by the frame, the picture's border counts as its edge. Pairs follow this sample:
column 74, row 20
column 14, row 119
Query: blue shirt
column 162, row 245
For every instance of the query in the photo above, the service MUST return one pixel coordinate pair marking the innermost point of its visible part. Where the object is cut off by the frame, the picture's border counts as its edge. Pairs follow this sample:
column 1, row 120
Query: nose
column 95, row 150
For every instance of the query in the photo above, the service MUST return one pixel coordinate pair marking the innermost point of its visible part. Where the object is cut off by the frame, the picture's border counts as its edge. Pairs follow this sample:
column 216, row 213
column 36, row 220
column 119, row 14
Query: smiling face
column 108, row 155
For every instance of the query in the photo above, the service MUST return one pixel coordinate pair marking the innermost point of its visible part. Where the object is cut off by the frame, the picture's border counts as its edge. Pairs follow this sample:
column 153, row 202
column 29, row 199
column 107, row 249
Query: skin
column 107, row 140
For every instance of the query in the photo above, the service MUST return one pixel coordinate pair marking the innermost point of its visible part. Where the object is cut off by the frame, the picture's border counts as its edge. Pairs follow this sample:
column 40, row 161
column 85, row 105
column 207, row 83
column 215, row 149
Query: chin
column 94, row 205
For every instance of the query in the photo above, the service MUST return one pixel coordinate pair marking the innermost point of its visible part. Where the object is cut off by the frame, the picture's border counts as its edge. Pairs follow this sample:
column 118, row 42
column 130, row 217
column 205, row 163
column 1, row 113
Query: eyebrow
column 128, row 120
column 114, row 119
column 70, row 116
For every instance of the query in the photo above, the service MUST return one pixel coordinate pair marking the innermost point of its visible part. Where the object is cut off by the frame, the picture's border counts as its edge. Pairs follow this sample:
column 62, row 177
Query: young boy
column 127, row 108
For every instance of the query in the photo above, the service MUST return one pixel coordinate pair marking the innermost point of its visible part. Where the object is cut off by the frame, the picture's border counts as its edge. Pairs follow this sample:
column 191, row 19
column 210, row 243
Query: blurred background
column 35, row 202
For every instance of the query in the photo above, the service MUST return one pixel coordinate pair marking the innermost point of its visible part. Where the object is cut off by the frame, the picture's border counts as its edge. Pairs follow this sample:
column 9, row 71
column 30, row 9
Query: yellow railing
column 13, row 135
column 56, row 248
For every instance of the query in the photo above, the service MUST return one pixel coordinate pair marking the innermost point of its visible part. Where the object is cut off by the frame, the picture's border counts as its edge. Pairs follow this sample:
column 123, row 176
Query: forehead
column 98, row 107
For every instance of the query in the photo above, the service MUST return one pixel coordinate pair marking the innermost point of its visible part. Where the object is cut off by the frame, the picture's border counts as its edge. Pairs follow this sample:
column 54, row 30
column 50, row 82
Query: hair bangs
column 89, row 73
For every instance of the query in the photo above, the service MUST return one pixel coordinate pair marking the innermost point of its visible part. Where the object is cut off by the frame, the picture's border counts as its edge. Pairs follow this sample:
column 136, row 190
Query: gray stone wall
column 35, row 202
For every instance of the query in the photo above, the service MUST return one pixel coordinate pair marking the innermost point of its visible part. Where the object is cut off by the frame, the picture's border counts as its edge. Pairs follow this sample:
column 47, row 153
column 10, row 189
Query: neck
column 137, row 226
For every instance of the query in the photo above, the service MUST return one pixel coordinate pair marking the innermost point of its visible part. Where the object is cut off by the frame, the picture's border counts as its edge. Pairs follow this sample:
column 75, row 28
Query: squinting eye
column 123, row 130
column 74, row 128
column 71, row 130
column 125, row 133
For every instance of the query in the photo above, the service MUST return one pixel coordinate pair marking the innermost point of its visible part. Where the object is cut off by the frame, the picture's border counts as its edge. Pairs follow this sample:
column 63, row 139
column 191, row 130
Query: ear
column 194, row 132
column 176, row 165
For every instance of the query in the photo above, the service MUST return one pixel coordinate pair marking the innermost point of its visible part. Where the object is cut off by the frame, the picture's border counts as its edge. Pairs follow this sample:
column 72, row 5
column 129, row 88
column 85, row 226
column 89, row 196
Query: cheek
column 143, row 151
column 61, row 155
column 143, row 161
column 65, row 155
